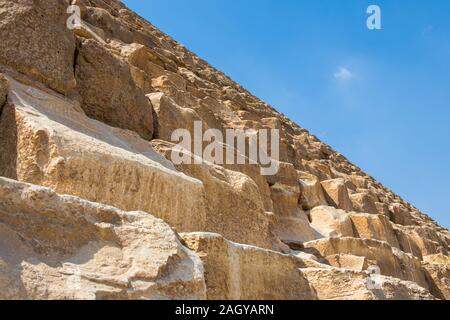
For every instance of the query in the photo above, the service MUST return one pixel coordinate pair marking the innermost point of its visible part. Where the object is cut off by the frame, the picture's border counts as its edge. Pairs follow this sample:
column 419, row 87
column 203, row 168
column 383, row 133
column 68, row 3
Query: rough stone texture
column 35, row 41
column 343, row 284
column 171, row 117
column 66, row 106
column 331, row 222
column 50, row 142
column 391, row 261
column 337, row 194
column 234, row 207
column 370, row 226
column 242, row 272
column 291, row 224
column 108, row 91
column 312, row 192
column 437, row 267
column 362, row 202
column 63, row 247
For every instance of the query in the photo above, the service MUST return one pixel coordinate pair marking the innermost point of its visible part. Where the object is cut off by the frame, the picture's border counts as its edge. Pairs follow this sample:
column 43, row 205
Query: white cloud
column 343, row 74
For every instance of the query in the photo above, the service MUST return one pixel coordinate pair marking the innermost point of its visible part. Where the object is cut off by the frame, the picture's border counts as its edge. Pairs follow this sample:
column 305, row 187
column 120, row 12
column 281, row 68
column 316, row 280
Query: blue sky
column 382, row 97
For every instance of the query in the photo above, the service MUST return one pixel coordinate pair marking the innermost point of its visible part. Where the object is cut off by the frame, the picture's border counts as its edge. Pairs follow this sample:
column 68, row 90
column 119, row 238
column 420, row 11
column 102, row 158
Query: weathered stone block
column 241, row 272
column 49, row 141
column 62, row 247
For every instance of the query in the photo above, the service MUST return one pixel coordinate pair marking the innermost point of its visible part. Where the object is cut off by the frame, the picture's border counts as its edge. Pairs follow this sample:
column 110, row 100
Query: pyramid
column 93, row 205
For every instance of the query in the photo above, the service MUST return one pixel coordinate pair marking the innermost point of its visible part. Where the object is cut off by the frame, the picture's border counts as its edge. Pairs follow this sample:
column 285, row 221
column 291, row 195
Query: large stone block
column 336, row 193
column 399, row 214
column 109, row 93
column 391, row 261
column 438, row 270
column 370, row 226
column 362, row 202
column 47, row 140
column 233, row 205
column 331, row 222
column 241, row 272
column 36, row 41
column 311, row 191
column 343, row 284
column 170, row 117
column 62, row 247
column 291, row 224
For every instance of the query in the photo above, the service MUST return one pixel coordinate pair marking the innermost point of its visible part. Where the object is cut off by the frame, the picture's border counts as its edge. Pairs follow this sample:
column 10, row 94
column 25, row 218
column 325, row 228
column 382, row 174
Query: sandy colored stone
column 50, row 142
column 362, row 202
column 399, row 214
column 311, row 191
column 234, row 206
column 171, row 117
column 35, row 41
column 370, row 226
column 420, row 240
column 47, row 139
column 241, row 272
column 291, row 224
column 254, row 172
column 382, row 208
column 391, row 261
column 331, row 222
column 286, row 175
column 344, row 284
column 348, row 261
column 62, row 247
column 437, row 267
column 336, row 193
column 109, row 93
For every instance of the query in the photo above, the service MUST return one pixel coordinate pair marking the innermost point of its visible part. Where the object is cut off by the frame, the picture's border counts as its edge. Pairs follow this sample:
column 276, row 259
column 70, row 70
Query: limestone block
column 331, row 222
column 370, row 226
column 362, row 202
column 291, row 224
column 399, row 214
column 63, row 247
column 348, row 261
column 391, row 261
column 36, row 41
column 241, row 272
column 233, row 202
column 337, row 194
column 438, row 270
column 170, row 117
column 342, row 284
column 311, row 191
column 48, row 141
column 109, row 93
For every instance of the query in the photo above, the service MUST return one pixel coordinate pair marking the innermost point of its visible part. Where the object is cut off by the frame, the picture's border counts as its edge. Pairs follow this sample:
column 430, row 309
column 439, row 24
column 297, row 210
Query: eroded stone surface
column 63, row 247
column 241, row 272
column 35, row 41
column 343, row 284
column 234, row 208
column 108, row 91
column 126, row 73
column 50, row 142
